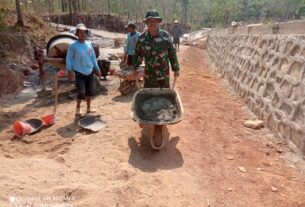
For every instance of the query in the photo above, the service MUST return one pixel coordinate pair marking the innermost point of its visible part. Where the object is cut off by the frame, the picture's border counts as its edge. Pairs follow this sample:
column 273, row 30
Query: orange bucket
column 48, row 119
column 21, row 128
column 62, row 73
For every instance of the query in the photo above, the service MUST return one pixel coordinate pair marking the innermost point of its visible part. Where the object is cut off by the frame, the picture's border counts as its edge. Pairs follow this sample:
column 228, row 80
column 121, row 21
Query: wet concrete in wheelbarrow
column 157, row 109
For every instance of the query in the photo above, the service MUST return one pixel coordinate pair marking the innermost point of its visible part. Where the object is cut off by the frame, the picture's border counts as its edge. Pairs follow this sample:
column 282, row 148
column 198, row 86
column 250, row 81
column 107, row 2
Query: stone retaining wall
column 269, row 72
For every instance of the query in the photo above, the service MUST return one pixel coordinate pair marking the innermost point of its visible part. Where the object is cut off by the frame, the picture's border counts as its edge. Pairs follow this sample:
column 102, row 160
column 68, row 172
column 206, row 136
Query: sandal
column 78, row 112
column 89, row 111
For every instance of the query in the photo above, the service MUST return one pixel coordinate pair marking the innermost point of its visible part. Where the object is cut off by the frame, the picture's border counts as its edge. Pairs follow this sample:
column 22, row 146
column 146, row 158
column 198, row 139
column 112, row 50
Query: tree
column 64, row 5
column 197, row 13
column 70, row 12
column 19, row 14
column 51, row 6
column 185, row 4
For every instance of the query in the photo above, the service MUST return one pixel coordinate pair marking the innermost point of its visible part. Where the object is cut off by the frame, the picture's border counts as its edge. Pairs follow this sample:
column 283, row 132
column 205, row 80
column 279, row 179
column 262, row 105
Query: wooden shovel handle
column 56, row 94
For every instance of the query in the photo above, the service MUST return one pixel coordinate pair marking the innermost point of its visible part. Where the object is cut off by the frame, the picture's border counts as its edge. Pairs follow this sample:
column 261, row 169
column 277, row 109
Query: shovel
column 92, row 123
column 50, row 119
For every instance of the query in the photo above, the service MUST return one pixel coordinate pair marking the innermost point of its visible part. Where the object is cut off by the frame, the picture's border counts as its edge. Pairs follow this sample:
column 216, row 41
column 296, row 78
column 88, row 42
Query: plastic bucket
column 48, row 120
column 21, row 128
column 62, row 73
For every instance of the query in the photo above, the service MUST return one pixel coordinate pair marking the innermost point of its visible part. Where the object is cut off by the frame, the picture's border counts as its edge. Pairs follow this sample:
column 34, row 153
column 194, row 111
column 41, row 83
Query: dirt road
column 201, row 166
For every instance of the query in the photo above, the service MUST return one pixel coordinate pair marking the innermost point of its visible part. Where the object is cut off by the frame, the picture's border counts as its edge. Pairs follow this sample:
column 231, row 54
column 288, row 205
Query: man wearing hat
column 81, row 62
column 155, row 46
column 132, row 39
column 176, row 33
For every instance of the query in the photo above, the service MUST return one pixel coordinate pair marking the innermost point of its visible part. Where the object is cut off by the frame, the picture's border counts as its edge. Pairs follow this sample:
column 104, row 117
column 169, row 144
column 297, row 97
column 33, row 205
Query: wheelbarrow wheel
column 126, row 91
column 126, row 87
column 157, row 141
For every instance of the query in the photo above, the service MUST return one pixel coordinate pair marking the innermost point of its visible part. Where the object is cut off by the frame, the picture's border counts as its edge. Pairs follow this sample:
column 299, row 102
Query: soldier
column 155, row 46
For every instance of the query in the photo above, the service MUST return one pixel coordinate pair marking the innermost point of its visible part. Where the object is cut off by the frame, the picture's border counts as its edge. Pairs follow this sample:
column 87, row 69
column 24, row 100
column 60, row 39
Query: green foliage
column 3, row 25
column 197, row 13
column 7, row 4
column 4, row 5
column 301, row 11
column 223, row 12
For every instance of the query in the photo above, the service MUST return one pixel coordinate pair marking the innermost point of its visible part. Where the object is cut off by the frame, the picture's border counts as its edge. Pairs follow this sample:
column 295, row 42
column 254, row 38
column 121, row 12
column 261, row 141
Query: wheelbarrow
column 159, row 126
column 129, row 79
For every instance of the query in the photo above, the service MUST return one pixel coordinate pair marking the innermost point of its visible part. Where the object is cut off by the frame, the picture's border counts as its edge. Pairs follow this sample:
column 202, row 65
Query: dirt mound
column 108, row 22
column 10, row 81
column 36, row 30
column 11, row 70
column 16, row 47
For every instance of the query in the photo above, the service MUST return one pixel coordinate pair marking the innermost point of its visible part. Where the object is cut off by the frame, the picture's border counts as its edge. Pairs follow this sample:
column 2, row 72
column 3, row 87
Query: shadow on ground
column 123, row 98
column 68, row 131
column 146, row 159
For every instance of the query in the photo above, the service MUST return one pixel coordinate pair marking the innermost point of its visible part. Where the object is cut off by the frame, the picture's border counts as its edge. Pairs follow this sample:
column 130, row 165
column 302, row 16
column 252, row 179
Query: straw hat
column 81, row 26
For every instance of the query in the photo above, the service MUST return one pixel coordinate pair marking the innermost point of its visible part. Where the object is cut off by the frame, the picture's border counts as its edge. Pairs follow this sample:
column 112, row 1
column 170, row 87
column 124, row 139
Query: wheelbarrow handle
column 174, row 83
column 56, row 94
column 138, row 84
column 137, row 80
column 55, row 59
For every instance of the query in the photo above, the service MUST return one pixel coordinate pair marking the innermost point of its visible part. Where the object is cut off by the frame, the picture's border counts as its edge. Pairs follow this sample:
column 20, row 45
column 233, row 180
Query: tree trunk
column 163, row 11
column 185, row 11
column 109, row 5
column 199, row 16
column 244, row 10
column 78, row 6
column 74, row 6
column 51, row 6
column 226, row 19
column 70, row 12
column 62, row 5
column 19, row 14
column 84, row 5
column 25, row 5
column 141, row 10
column 174, row 10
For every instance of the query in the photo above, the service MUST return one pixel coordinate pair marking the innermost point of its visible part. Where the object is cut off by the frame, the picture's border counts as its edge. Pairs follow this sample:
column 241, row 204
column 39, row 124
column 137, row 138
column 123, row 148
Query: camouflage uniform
column 157, row 52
